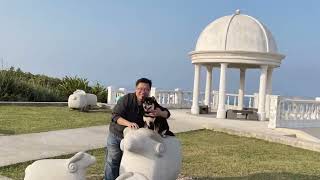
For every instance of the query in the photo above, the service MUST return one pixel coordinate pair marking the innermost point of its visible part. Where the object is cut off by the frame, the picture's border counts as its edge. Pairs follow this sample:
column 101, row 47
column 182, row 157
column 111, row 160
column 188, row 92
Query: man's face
column 142, row 91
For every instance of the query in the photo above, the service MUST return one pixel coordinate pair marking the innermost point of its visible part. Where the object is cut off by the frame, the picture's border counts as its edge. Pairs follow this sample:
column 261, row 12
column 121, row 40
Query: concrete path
column 25, row 147
column 4, row 178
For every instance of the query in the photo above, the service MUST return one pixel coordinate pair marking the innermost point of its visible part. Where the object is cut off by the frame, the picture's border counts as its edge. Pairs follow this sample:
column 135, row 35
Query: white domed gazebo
column 236, row 41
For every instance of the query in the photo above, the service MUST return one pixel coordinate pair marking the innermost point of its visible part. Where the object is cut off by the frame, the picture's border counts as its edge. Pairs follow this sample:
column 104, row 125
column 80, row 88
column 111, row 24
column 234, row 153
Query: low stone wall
column 5, row 103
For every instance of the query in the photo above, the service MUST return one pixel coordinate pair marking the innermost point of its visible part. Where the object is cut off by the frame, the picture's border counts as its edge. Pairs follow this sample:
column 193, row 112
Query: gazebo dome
column 236, row 36
column 236, row 32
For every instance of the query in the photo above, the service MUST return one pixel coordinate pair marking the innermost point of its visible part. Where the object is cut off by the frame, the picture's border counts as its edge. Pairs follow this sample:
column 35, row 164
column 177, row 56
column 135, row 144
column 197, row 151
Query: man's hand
column 157, row 112
column 133, row 125
column 124, row 122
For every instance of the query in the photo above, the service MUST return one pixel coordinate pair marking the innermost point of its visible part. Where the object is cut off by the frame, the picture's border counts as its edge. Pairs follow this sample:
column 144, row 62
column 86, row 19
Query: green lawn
column 213, row 155
column 28, row 119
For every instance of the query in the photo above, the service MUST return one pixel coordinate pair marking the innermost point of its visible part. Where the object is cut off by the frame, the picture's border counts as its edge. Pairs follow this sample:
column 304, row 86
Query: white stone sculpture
column 81, row 100
column 60, row 169
column 91, row 99
column 77, row 100
column 148, row 156
column 132, row 176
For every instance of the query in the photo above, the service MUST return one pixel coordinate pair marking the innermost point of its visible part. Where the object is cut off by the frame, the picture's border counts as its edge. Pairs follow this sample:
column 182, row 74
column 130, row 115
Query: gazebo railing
column 232, row 100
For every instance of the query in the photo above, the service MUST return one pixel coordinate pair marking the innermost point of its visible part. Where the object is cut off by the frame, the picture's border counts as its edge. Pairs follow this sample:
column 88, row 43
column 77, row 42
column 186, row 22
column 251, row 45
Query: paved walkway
column 25, row 147
column 4, row 178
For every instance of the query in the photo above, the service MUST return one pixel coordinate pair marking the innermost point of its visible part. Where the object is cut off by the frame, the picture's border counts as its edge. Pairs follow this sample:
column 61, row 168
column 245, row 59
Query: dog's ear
column 145, row 99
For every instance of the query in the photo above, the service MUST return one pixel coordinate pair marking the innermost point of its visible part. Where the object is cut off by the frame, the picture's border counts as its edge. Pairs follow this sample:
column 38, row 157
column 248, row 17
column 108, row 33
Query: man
column 128, row 112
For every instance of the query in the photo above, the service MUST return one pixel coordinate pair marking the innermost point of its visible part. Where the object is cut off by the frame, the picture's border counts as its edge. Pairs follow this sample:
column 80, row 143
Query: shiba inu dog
column 158, row 124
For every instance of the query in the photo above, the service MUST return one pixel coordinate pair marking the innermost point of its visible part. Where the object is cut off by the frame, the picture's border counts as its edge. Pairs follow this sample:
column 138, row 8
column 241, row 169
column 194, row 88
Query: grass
column 28, row 119
column 213, row 155
column 208, row 154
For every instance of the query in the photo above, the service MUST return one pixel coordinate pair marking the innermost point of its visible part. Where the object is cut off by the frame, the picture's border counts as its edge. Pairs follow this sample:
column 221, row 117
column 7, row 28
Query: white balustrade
column 293, row 113
column 284, row 111
column 183, row 99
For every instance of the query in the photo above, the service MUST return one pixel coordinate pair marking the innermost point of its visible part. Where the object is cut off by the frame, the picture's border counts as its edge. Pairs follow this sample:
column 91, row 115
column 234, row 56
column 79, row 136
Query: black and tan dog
column 158, row 124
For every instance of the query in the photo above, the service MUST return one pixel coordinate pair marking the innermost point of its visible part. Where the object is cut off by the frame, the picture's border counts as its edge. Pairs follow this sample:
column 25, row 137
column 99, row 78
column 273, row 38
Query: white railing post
column 178, row 96
column 256, row 100
column 267, row 105
column 234, row 101
column 168, row 98
column 216, row 99
column 153, row 92
column 250, row 102
column 159, row 98
column 111, row 95
column 212, row 99
column 162, row 98
column 274, row 112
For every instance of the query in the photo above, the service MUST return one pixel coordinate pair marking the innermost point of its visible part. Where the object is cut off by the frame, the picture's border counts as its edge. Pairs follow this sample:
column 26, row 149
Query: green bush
column 16, row 85
column 16, row 88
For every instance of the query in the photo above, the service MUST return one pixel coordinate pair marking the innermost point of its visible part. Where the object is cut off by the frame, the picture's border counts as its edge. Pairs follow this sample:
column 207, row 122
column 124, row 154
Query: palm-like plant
column 70, row 84
column 97, row 88
column 100, row 91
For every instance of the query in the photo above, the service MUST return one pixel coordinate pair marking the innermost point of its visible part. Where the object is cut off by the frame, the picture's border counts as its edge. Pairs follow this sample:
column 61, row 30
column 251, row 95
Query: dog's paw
column 163, row 134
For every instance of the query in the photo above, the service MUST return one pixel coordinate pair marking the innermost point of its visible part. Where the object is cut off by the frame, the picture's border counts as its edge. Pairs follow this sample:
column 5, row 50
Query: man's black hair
column 144, row 80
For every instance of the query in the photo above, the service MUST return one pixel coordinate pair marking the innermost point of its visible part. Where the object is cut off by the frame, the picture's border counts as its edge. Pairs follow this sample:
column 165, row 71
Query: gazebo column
column 262, row 93
column 269, row 91
column 195, row 98
column 221, row 113
column 207, row 97
column 241, row 88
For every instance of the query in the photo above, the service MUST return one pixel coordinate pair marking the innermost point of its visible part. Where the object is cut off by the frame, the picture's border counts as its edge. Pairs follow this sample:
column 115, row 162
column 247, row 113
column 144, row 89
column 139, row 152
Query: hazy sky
column 116, row 42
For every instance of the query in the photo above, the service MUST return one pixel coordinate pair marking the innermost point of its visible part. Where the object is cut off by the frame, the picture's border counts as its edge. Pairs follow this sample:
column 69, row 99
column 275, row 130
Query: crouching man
column 128, row 112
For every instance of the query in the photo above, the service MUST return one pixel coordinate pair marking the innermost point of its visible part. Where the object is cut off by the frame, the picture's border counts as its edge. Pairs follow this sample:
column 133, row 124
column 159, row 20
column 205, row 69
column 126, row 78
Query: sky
column 116, row 42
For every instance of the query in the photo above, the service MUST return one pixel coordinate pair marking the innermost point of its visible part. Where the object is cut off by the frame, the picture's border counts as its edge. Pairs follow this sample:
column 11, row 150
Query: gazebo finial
column 237, row 12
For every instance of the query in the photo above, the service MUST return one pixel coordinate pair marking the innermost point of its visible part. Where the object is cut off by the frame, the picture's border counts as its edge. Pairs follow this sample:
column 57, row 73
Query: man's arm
column 161, row 111
column 125, row 122
column 119, row 113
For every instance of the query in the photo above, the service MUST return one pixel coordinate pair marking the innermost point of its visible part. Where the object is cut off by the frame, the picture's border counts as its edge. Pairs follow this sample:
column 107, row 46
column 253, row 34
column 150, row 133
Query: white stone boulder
column 148, row 156
column 82, row 100
column 60, row 169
